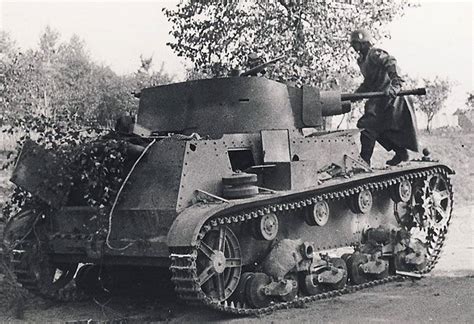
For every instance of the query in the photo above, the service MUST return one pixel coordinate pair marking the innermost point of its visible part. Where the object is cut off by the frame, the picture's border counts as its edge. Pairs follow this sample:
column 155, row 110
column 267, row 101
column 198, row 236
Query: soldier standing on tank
column 389, row 120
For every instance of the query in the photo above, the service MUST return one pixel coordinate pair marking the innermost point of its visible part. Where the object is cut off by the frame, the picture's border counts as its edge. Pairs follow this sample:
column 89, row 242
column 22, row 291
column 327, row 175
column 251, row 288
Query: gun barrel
column 368, row 95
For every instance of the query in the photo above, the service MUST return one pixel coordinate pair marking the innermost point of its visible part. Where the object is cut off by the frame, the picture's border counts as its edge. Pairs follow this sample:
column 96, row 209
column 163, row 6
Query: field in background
column 453, row 148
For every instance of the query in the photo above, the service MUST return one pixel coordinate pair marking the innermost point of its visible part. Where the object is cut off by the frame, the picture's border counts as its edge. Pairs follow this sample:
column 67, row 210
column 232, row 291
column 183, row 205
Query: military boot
column 401, row 155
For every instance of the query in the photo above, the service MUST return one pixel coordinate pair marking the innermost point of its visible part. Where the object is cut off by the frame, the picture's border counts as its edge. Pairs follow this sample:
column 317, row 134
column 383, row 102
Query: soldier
column 389, row 120
column 254, row 59
column 124, row 125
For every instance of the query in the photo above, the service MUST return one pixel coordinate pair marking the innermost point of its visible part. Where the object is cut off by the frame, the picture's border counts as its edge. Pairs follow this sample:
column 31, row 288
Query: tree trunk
column 428, row 123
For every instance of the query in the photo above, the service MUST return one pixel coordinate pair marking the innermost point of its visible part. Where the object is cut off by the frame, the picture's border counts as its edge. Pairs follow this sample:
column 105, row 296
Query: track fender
column 185, row 228
column 450, row 170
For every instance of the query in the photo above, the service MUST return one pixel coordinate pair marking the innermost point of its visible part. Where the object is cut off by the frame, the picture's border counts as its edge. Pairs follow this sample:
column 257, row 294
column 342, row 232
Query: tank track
column 28, row 280
column 183, row 259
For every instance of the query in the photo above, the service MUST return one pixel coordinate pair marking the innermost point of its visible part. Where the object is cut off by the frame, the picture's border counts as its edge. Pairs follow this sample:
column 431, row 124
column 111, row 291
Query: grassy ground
column 452, row 148
column 456, row 150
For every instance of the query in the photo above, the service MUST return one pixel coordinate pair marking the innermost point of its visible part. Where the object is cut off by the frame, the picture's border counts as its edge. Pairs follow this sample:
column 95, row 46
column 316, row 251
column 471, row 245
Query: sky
column 433, row 39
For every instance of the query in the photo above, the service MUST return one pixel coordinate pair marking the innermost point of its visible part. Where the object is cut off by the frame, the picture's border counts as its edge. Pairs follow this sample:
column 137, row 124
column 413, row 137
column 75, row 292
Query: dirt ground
column 430, row 300
column 445, row 296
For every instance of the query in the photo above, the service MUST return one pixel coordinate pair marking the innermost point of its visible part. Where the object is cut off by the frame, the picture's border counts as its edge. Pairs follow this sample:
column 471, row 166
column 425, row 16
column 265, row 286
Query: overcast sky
column 434, row 39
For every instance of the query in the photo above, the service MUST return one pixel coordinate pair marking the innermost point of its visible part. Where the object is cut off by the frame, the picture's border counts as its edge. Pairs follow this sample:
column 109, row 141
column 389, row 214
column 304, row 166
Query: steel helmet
column 254, row 56
column 254, row 59
column 360, row 36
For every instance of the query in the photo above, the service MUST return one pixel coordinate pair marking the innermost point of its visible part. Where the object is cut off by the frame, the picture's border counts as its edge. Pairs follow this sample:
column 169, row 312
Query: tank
column 240, row 196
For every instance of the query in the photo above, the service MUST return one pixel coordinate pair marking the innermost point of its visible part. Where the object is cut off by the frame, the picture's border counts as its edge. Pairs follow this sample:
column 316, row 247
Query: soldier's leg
column 367, row 143
column 401, row 153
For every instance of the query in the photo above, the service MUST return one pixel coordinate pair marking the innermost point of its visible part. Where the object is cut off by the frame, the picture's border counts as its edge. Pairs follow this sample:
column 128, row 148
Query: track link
column 183, row 260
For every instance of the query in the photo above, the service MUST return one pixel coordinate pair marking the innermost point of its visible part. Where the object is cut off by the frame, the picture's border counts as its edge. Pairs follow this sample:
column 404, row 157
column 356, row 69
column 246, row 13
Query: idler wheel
column 340, row 264
column 402, row 191
column 219, row 263
column 362, row 202
column 356, row 275
column 319, row 215
column 255, row 290
column 266, row 227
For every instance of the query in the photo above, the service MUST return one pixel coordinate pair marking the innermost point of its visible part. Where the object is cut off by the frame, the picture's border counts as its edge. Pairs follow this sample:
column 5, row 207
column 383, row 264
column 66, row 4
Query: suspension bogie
column 277, row 248
column 291, row 250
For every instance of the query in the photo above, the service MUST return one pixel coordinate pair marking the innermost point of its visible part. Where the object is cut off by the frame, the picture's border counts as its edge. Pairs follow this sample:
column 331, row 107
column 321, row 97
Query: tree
column 470, row 100
column 437, row 91
column 59, row 80
column 218, row 36
column 59, row 97
column 19, row 79
column 146, row 77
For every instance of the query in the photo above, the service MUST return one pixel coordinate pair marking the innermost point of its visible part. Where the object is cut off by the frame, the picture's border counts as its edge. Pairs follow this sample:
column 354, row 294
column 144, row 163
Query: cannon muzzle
column 368, row 95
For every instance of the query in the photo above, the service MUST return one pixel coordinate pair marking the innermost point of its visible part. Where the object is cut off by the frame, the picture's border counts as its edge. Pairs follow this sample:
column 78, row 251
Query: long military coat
column 391, row 122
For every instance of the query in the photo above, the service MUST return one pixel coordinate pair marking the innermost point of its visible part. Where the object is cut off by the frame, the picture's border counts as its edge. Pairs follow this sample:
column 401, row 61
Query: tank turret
column 218, row 106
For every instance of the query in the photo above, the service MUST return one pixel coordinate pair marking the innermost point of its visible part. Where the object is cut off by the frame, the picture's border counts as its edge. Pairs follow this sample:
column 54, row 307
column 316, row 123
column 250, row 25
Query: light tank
column 243, row 199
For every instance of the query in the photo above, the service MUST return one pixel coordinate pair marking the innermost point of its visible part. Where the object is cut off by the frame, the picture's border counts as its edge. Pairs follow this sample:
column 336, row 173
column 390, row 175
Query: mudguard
column 185, row 228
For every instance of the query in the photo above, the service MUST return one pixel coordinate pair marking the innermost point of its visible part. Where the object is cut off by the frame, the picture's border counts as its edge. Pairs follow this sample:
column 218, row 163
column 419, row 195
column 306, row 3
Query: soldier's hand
column 392, row 91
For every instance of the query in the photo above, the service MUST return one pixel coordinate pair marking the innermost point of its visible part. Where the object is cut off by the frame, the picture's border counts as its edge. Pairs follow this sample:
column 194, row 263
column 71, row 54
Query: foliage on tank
column 90, row 165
